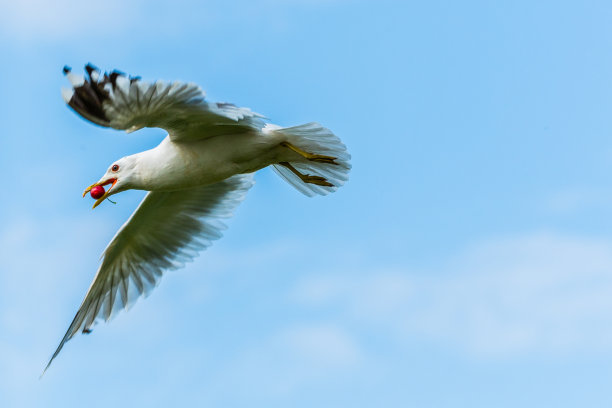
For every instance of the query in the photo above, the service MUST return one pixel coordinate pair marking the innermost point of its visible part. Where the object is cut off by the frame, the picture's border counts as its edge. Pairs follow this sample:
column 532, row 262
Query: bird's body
column 195, row 177
column 178, row 165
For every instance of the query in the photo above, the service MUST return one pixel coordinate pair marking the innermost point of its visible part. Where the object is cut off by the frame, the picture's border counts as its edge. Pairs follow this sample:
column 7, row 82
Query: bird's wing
column 126, row 103
column 166, row 230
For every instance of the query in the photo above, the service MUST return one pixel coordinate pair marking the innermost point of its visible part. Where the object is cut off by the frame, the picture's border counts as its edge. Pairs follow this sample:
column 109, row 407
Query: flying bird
column 195, row 177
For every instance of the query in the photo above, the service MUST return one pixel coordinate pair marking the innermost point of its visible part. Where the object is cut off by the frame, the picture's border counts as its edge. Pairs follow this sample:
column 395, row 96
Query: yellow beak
column 106, row 193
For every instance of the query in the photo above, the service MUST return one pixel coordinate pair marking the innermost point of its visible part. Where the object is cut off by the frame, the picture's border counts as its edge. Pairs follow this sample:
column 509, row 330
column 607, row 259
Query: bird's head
column 119, row 175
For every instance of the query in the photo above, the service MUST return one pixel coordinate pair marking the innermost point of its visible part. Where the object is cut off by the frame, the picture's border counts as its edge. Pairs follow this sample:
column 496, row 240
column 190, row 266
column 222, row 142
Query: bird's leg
column 306, row 178
column 319, row 158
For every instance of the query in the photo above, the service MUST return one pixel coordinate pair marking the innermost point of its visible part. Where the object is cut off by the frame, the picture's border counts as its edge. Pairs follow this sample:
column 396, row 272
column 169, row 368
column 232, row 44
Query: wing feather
column 167, row 230
column 116, row 101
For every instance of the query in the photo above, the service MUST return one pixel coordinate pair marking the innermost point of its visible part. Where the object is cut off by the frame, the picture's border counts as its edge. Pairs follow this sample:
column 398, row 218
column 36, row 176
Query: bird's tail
column 321, row 162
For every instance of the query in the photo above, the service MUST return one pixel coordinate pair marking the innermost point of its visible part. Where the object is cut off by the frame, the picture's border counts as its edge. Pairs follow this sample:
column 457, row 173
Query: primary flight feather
column 196, row 177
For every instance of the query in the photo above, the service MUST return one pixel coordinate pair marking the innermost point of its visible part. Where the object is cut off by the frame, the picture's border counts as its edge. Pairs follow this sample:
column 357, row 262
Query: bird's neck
column 151, row 167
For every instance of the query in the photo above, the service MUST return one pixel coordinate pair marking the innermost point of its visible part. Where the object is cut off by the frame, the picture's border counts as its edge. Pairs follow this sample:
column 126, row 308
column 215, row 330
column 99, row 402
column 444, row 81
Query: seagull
column 195, row 177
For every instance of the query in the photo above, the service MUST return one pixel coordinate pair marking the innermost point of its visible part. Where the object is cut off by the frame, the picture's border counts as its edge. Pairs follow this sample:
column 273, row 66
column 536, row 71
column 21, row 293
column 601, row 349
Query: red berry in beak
column 97, row 192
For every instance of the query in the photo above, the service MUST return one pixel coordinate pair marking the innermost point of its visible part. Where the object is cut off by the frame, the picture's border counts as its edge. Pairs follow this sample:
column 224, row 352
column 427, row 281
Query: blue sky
column 467, row 262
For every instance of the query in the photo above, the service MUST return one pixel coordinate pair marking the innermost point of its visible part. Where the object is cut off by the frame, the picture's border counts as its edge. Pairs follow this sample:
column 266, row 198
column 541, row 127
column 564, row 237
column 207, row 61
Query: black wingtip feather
column 113, row 77
column 87, row 99
column 66, row 69
column 91, row 68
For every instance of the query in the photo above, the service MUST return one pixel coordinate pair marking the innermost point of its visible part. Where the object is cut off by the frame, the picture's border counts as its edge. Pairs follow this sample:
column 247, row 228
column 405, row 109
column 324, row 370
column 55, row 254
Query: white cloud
column 66, row 19
column 291, row 359
column 325, row 345
column 537, row 293
column 575, row 199
column 63, row 18
column 40, row 258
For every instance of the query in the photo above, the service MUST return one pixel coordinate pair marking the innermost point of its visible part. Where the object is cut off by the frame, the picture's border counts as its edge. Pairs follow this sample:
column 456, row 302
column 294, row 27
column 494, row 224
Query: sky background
column 466, row 263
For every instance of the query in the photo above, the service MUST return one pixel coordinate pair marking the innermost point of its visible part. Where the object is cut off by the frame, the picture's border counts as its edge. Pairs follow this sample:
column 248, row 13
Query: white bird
column 195, row 177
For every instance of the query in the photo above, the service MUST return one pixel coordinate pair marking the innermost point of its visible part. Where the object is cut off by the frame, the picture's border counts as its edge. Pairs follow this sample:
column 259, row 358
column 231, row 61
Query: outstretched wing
column 166, row 230
column 126, row 103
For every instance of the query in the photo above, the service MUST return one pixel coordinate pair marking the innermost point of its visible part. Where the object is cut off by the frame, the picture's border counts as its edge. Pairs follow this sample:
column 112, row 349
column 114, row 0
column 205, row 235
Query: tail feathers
column 316, row 139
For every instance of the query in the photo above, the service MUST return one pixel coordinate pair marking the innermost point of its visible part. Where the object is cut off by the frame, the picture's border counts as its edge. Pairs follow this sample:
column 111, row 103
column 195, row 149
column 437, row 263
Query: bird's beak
column 112, row 181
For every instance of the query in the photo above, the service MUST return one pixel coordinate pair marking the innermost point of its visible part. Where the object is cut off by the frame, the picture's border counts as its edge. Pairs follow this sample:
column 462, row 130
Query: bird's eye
column 115, row 167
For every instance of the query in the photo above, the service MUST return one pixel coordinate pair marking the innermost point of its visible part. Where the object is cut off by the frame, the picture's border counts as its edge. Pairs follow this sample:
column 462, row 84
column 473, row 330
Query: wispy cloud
column 536, row 293
column 66, row 19
column 291, row 359
column 39, row 259
column 63, row 18
column 575, row 199
column 325, row 345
